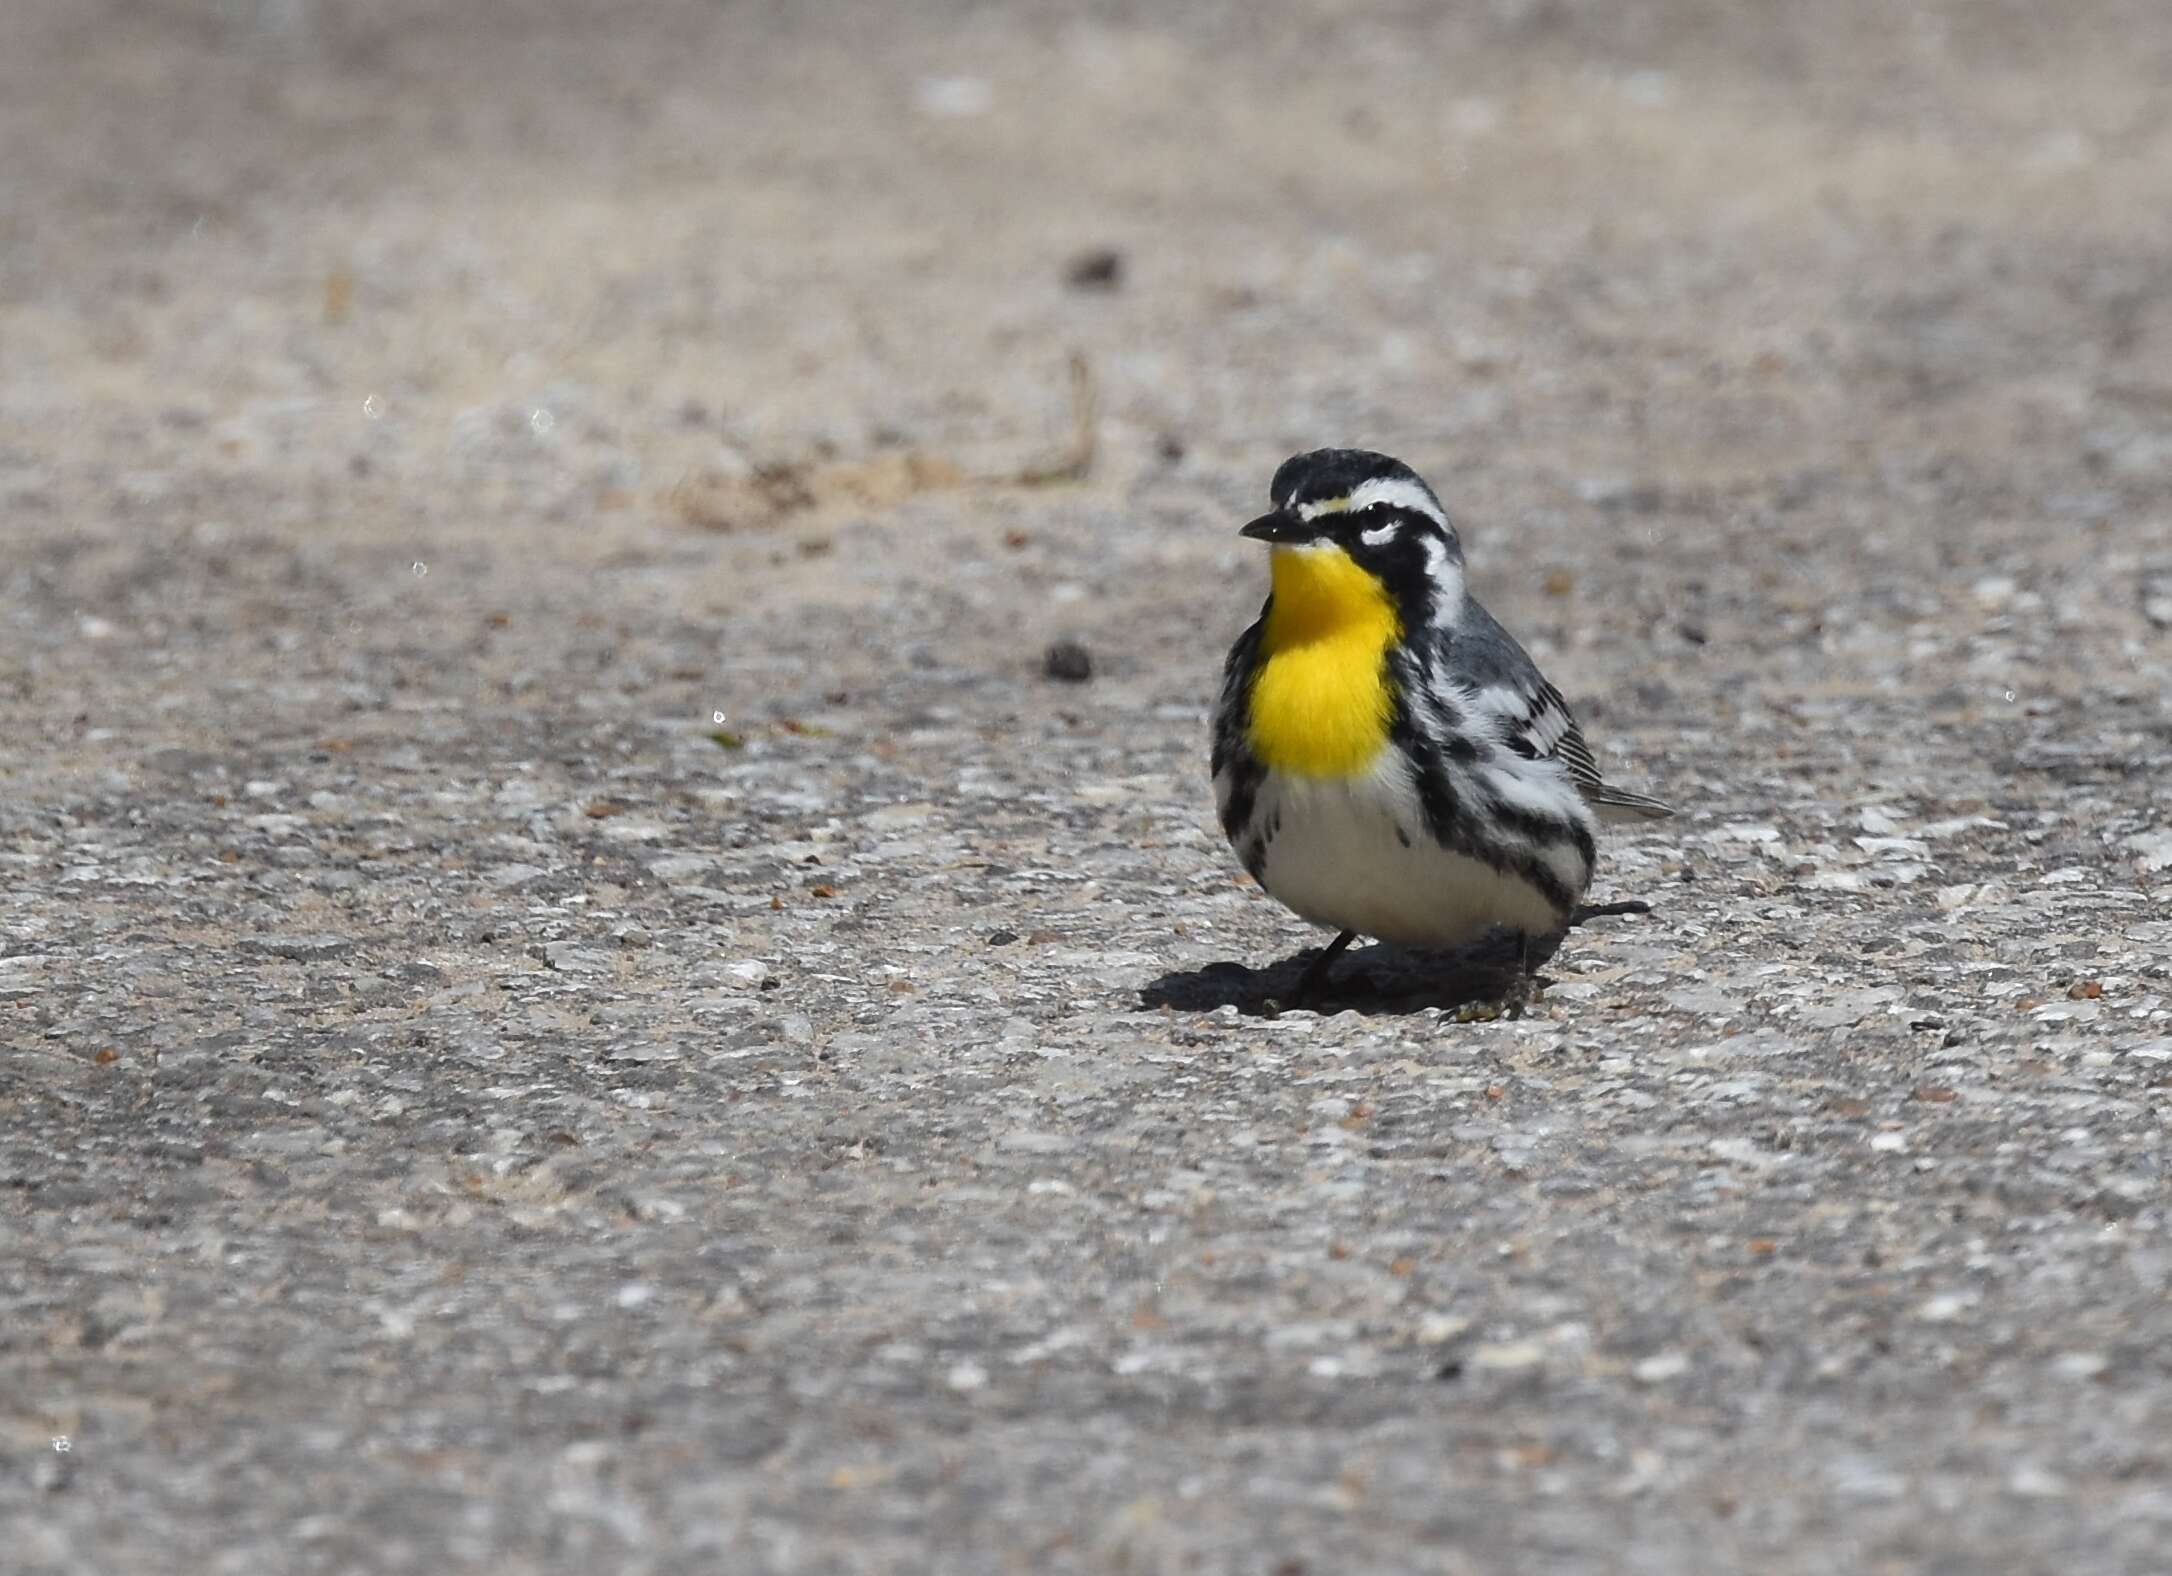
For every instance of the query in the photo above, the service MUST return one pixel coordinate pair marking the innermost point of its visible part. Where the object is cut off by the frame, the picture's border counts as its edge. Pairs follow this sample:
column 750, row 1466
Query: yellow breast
column 1321, row 703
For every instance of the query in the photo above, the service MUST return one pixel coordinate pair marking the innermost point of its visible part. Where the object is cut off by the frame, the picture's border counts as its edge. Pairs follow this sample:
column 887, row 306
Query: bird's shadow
column 1381, row 979
column 1377, row 980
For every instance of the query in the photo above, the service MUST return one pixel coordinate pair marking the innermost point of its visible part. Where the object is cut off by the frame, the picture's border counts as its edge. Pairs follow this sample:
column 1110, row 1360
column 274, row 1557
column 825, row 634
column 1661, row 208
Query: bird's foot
column 1520, row 987
column 1515, row 998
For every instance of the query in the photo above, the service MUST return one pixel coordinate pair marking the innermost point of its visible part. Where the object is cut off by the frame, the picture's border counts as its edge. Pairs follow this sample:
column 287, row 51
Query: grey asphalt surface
column 574, row 998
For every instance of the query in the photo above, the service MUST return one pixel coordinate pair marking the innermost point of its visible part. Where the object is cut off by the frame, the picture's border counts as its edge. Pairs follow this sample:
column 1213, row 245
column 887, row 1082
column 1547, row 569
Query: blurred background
column 554, row 896
column 562, row 259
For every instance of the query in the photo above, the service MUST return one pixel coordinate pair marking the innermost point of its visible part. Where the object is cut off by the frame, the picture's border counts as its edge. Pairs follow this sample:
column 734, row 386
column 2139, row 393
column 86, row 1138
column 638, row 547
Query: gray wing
column 1529, row 716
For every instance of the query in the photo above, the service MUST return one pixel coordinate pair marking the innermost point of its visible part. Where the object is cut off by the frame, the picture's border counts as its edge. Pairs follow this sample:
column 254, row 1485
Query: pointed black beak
column 1280, row 526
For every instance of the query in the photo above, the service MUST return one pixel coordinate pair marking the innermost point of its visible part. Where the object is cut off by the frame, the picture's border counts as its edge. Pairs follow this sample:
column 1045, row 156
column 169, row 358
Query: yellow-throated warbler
column 1388, row 762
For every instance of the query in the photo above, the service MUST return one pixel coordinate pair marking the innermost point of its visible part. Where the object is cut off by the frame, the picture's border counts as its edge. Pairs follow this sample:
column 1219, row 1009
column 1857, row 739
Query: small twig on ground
column 1077, row 458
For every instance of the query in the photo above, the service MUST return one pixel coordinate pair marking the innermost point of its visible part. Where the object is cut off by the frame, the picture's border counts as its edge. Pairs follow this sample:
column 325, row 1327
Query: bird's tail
column 1618, row 805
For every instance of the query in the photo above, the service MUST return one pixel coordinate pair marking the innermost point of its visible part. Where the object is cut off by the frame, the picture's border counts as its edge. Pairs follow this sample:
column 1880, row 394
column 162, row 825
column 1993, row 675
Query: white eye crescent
column 1379, row 535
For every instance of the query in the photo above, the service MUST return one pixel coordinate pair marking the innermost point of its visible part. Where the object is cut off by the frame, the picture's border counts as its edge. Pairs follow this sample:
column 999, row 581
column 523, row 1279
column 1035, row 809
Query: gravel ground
column 575, row 996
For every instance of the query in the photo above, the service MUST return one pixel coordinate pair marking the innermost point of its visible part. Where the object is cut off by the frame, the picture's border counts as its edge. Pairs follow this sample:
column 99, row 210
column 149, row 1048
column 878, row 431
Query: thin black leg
column 1520, row 991
column 1315, row 975
column 1517, row 985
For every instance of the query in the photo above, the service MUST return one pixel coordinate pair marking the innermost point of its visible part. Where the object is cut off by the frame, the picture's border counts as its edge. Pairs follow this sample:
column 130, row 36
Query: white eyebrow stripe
column 1398, row 491
column 1313, row 511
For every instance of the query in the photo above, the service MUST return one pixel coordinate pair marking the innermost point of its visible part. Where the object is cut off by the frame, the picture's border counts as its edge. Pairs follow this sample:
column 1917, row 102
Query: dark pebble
column 1069, row 661
column 1100, row 269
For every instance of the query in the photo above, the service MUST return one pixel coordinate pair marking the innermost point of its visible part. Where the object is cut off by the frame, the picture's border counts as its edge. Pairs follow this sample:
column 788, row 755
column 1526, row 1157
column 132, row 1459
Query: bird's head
column 1348, row 524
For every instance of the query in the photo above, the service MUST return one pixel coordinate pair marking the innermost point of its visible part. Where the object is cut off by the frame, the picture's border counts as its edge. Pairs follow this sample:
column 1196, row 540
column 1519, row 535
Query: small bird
column 1387, row 761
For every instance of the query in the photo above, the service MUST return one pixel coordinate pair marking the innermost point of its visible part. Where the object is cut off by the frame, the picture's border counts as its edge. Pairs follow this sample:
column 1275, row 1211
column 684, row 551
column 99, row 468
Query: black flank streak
column 1528, row 823
column 1436, row 795
column 1243, row 790
column 1550, row 886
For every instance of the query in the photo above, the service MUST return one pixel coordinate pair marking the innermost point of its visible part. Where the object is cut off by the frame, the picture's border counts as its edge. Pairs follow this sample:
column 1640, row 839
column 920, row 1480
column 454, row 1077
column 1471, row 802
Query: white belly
column 1352, row 853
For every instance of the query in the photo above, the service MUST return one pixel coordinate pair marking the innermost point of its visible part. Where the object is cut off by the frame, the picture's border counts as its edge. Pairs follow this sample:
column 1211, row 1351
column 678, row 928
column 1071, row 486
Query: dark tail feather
column 1619, row 805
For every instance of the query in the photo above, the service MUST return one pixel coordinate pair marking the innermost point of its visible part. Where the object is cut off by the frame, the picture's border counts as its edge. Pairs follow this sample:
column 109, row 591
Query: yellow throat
column 1320, row 702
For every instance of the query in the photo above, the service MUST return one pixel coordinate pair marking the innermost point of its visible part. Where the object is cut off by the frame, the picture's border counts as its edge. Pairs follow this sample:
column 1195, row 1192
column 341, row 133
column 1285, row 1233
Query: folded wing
column 1530, row 716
